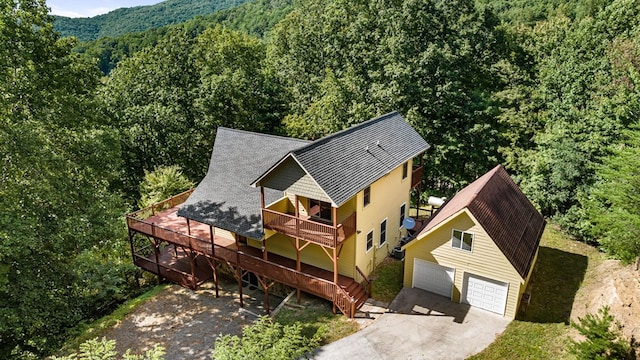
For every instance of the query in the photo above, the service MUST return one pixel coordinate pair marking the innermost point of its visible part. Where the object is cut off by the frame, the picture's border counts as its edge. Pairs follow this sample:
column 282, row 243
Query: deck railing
column 309, row 230
column 365, row 282
column 311, row 284
column 416, row 177
column 162, row 205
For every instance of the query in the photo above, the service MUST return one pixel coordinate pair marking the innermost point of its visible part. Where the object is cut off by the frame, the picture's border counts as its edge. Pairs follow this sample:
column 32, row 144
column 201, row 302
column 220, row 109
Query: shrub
column 603, row 338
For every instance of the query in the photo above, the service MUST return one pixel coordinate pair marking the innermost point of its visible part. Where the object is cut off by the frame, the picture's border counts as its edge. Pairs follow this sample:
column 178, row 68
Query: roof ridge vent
column 378, row 142
column 366, row 148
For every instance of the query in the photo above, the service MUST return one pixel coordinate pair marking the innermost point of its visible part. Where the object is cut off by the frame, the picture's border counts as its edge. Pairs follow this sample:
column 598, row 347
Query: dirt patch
column 185, row 322
column 614, row 285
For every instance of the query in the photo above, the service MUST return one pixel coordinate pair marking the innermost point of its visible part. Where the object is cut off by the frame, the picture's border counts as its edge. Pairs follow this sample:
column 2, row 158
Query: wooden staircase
column 358, row 295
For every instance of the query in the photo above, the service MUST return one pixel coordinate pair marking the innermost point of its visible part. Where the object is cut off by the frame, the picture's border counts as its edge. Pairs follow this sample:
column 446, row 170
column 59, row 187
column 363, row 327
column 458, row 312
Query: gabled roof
column 505, row 213
column 344, row 163
column 225, row 198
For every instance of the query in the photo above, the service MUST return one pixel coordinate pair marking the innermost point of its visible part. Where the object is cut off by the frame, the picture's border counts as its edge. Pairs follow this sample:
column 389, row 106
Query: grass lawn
column 316, row 315
column 543, row 331
column 388, row 280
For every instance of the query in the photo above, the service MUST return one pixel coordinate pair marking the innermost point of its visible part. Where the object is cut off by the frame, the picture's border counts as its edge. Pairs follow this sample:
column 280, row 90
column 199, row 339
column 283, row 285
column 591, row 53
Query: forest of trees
column 547, row 88
column 139, row 18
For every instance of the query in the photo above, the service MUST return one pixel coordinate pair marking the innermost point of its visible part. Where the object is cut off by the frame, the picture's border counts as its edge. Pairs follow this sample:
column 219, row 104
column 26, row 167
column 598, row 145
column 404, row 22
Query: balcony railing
column 309, row 230
column 416, row 177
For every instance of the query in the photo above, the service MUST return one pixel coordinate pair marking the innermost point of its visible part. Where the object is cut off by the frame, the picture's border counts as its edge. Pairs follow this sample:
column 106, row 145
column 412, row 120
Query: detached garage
column 480, row 247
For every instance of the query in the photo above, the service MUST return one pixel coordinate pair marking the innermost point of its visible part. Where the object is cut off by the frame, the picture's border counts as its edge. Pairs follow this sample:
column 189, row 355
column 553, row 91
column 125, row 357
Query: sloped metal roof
column 225, row 198
column 503, row 211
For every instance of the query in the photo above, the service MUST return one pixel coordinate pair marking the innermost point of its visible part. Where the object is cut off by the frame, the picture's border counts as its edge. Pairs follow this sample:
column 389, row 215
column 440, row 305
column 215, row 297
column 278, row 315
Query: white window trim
column 405, row 215
column 372, row 241
column 473, row 240
column 386, row 232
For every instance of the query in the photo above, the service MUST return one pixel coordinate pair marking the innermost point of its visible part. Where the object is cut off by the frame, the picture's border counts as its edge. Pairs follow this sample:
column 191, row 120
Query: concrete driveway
column 420, row 325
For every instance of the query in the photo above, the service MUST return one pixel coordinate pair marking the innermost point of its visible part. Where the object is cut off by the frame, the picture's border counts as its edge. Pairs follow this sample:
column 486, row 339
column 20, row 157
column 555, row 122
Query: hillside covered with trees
column 547, row 88
column 139, row 18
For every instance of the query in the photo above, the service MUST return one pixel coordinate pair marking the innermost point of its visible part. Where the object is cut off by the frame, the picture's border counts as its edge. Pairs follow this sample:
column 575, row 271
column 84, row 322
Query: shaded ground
column 185, row 322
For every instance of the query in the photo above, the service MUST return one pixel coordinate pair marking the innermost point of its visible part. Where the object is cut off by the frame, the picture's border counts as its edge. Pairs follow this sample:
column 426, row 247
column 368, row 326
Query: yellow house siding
column 387, row 195
column 290, row 177
column 224, row 233
column 485, row 259
column 313, row 254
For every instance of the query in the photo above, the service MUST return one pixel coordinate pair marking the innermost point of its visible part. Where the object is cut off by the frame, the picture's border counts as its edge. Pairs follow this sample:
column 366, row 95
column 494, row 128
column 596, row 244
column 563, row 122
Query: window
column 462, row 240
column 403, row 210
column 383, row 232
column 367, row 195
column 320, row 209
column 405, row 170
column 369, row 240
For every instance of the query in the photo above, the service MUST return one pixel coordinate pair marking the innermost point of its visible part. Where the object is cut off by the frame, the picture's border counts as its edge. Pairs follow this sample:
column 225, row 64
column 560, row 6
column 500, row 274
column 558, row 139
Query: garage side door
column 485, row 293
column 432, row 277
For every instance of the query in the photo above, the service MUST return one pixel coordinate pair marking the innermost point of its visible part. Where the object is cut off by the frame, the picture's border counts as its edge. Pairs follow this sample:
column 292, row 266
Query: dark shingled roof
column 225, row 198
column 504, row 212
column 344, row 163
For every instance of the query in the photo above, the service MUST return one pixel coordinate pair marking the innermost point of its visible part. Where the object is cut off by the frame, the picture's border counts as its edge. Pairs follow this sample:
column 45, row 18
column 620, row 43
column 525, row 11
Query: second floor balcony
column 279, row 217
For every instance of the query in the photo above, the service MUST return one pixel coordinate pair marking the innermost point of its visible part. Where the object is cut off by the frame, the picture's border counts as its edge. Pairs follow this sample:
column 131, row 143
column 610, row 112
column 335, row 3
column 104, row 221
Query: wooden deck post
column 213, row 260
column 239, row 274
column 188, row 226
column 192, row 260
column 298, row 295
column 133, row 253
column 419, row 191
column 156, row 246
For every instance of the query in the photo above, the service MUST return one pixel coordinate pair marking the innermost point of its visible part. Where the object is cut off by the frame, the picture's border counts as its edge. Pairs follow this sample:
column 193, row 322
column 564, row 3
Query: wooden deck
column 199, row 238
column 175, row 265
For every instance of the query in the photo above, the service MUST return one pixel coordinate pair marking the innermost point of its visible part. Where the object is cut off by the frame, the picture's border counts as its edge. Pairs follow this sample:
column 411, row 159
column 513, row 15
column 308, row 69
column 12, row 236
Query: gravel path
column 185, row 322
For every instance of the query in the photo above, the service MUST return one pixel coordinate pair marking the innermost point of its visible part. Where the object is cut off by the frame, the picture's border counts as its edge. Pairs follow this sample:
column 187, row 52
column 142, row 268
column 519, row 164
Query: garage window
column 462, row 240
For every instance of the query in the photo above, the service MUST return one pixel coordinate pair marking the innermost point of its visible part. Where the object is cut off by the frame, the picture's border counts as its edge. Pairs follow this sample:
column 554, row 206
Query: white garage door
column 485, row 293
column 432, row 277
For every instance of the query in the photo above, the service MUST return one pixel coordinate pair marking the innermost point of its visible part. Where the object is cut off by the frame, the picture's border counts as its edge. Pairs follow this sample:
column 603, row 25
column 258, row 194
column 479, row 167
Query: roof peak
column 350, row 129
column 223, row 128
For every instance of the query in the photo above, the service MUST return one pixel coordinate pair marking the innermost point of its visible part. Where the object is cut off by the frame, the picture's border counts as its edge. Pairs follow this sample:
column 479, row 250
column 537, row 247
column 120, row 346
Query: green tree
column 265, row 339
column 343, row 62
column 161, row 184
column 613, row 204
column 59, row 165
column 149, row 98
column 603, row 339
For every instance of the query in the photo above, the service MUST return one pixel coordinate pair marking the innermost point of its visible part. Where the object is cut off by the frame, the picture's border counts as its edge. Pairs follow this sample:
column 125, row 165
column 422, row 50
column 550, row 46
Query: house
column 316, row 216
column 480, row 247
